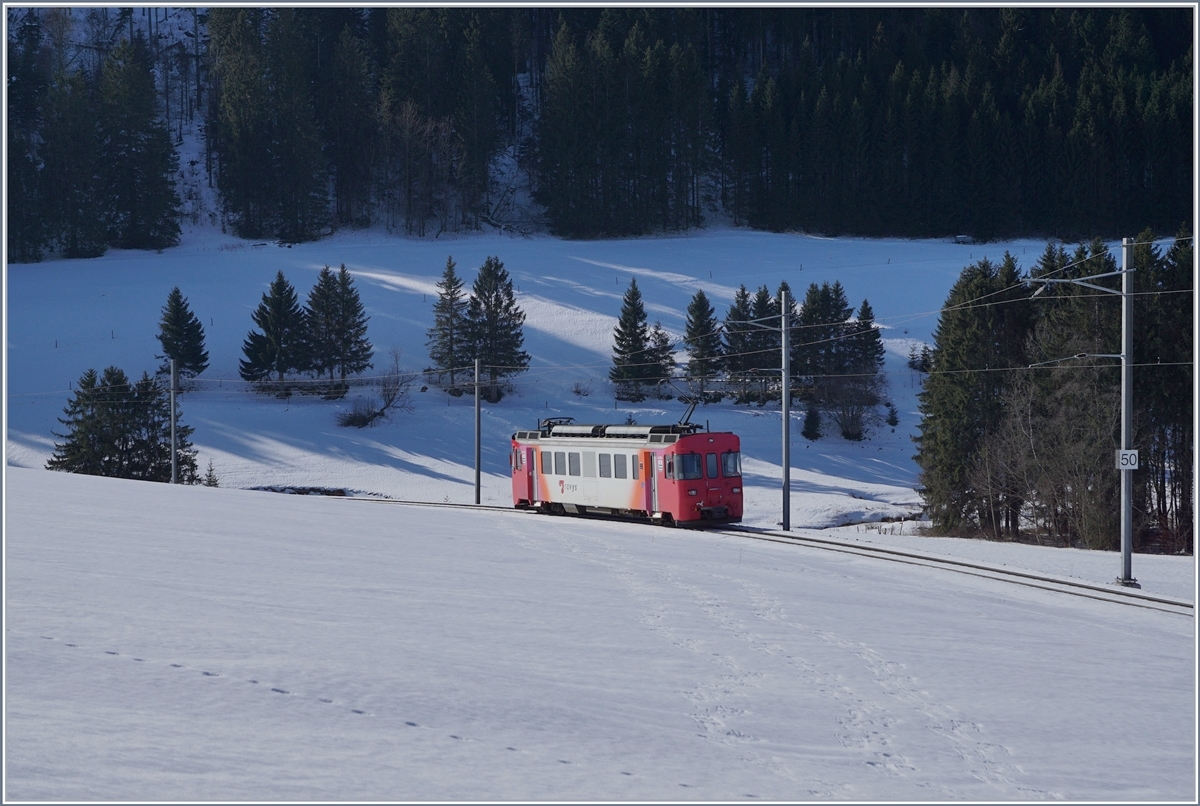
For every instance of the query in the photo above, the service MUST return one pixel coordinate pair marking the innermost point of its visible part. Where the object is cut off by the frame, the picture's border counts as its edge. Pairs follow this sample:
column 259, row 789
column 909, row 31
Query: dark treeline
column 1015, row 438
column 993, row 122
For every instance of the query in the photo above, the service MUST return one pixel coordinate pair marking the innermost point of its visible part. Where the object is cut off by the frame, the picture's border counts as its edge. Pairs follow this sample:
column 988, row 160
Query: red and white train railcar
column 670, row 473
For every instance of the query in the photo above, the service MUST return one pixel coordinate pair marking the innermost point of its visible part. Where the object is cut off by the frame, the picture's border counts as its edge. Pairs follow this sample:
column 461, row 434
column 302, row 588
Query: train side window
column 636, row 466
column 710, row 465
column 618, row 465
column 731, row 464
column 589, row 464
column 546, row 468
column 606, row 465
column 560, row 463
column 669, row 468
column 573, row 463
column 687, row 466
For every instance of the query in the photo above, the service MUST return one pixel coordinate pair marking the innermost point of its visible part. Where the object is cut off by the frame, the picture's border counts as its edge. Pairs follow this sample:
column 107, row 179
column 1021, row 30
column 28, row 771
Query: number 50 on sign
column 1127, row 460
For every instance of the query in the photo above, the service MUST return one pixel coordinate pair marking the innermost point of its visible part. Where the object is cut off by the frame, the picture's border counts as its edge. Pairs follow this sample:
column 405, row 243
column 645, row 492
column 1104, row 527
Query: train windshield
column 687, row 466
column 731, row 464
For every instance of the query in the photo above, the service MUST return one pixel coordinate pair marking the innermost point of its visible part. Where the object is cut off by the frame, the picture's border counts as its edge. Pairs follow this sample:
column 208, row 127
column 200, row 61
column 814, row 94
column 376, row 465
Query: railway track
column 1088, row 590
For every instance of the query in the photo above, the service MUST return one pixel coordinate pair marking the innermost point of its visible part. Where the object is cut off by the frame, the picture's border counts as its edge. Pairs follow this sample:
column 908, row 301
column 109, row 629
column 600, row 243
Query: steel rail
column 1086, row 590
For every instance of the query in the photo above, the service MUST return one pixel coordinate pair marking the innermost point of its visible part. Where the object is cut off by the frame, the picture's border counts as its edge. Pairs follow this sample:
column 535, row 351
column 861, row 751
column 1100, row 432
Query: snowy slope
column 189, row 643
column 67, row 316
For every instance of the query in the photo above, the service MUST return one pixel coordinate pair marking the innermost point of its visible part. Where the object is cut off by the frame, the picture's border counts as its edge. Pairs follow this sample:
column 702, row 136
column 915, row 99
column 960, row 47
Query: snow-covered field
column 515, row 657
column 190, row 644
column 67, row 316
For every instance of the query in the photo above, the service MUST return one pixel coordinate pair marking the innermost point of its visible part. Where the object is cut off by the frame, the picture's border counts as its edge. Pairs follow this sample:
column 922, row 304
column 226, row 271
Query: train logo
column 675, row 474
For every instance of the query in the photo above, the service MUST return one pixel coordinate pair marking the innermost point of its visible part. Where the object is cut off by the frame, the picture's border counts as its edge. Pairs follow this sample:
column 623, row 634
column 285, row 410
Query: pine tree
column 239, row 123
column 702, row 340
column 72, row 168
column 123, row 430
column 87, row 447
column 210, row 476
column 812, row 423
column 448, row 341
column 140, row 162
column 149, row 456
column 631, row 341
column 820, row 348
column 495, row 326
column 660, row 353
column 354, row 349
column 299, row 167
column 963, row 396
column 182, row 337
column 737, row 342
column 859, row 385
column 764, row 340
column 322, row 331
column 350, row 124
column 280, row 347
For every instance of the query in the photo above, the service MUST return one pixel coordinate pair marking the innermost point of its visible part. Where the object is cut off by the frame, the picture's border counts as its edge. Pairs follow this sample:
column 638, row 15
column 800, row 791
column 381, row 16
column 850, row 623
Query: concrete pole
column 785, row 393
column 477, row 431
column 1126, row 577
column 174, row 443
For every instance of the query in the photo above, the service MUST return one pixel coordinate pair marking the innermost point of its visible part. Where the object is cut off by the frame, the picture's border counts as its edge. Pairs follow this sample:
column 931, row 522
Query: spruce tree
column 702, row 340
column 495, row 326
column 448, row 341
column 764, row 340
column 322, row 331
column 182, row 337
column 820, row 348
column 631, row 340
column 660, row 353
column 300, row 187
column 737, row 343
column 963, row 396
column 858, row 386
column 280, row 347
column 86, row 448
column 123, row 430
column 72, row 169
column 149, row 437
column 139, row 160
column 354, row 349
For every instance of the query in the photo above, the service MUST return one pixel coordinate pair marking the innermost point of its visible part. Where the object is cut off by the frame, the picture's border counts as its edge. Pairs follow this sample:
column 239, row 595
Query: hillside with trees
column 993, row 122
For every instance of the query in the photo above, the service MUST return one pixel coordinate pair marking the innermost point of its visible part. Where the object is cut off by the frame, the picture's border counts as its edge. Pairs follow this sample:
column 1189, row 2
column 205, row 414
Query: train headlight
column 737, row 489
column 691, row 492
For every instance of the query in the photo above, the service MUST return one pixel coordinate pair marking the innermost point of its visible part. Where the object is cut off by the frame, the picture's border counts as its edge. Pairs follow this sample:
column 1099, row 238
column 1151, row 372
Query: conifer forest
column 993, row 122
column 1072, row 125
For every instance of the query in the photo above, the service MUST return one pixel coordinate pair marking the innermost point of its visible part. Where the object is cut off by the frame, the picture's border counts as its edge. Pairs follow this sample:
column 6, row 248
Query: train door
column 531, row 475
column 651, row 471
column 715, row 494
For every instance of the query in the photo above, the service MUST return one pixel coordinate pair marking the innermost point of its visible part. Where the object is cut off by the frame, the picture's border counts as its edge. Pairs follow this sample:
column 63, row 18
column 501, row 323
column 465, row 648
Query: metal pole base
column 1128, row 583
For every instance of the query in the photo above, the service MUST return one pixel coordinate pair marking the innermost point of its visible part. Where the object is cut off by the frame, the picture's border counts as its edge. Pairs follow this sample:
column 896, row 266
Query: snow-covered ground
column 185, row 643
column 535, row 658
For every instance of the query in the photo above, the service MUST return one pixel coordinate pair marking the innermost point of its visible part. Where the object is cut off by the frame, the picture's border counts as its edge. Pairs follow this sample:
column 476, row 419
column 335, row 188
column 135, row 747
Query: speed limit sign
column 1127, row 460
